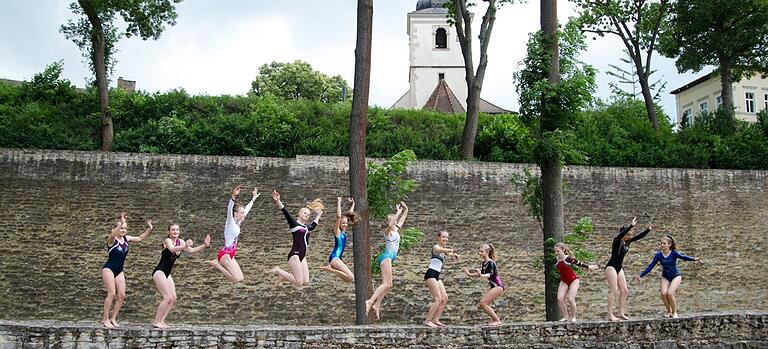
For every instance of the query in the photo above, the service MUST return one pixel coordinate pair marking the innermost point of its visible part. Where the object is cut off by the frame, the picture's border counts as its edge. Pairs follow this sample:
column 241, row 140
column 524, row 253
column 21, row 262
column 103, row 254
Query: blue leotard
column 116, row 259
column 339, row 246
column 668, row 264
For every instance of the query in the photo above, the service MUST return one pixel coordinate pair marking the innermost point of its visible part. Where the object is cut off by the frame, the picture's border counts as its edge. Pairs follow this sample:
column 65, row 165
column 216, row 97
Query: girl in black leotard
column 489, row 271
column 614, row 273
column 299, row 275
column 172, row 247
column 112, row 273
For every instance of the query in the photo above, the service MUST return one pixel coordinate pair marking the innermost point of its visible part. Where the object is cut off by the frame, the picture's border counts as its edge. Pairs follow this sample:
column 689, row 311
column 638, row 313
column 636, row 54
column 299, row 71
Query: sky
column 217, row 47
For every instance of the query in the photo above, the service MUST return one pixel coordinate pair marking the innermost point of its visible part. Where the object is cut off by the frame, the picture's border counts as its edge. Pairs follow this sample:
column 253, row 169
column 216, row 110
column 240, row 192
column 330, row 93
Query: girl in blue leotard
column 670, row 276
column 391, row 245
column 112, row 273
column 343, row 221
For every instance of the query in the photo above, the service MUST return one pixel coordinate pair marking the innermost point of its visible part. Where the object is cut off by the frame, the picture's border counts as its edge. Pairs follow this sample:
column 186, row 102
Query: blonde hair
column 564, row 247
column 316, row 204
column 491, row 251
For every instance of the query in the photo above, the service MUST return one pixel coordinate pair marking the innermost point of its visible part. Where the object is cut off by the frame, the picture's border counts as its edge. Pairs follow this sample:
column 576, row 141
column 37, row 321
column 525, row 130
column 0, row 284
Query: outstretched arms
column 143, row 235
column 190, row 242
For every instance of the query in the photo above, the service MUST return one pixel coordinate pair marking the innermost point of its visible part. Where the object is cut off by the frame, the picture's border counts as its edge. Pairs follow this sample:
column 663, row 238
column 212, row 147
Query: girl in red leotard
column 569, row 282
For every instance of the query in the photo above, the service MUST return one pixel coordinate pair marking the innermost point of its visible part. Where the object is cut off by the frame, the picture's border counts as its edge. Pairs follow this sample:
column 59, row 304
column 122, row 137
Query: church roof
column 430, row 4
column 443, row 100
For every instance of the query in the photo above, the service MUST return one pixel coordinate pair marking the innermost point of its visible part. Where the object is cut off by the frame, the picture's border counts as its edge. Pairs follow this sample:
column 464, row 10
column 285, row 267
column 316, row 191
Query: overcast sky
column 216, row 47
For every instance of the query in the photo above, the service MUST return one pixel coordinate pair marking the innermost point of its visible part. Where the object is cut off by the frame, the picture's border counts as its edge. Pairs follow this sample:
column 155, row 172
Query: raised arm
column 650, row 266
column 231, row 204
column 641, row 235
column 250, row 204
column 337, row 228
column 352, row 204
column 403, row 214
column 196, row 249
column 143, row 235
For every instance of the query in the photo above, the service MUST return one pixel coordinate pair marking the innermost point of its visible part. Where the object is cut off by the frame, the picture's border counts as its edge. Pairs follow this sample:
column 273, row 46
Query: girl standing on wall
column 489, row 271
column 112, row 271
column 614, row 273
column 569, row 282
column 670, row 276
column 391, row 246
column 432, row 279
column 172, row 247
column 225, row 261
column 297, row 261
column 343, row 221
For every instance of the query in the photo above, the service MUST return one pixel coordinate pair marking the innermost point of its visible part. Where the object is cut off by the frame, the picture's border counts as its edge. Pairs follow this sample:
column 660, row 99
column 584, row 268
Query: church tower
column 436, row 73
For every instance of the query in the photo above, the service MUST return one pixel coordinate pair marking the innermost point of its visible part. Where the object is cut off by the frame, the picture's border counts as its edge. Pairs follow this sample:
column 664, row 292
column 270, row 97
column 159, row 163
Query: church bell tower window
column 441, row 38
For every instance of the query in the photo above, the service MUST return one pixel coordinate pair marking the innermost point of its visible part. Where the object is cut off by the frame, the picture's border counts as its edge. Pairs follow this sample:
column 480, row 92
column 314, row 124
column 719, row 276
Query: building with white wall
column 750, row 96
column 435, row 55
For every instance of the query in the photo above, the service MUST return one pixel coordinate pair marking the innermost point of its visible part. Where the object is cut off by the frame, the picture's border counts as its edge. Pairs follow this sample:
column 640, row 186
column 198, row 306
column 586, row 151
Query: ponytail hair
column 352, row 217
column 491, row 251
column 671, row 242
column 316, row 204
column 564, row 247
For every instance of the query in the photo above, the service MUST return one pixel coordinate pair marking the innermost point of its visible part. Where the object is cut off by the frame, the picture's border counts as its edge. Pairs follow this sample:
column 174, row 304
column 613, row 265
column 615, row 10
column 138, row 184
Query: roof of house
column 443, row 99
column 693, row 83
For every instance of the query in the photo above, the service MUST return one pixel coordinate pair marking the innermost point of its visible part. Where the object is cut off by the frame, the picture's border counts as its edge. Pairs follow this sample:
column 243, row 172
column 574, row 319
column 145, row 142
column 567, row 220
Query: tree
column 730, row 34
column 358, row 123
column 637, row 23
column 297, row 80
column 95, row 33
column 629, row 77
column 549, row 103
column 462, row 20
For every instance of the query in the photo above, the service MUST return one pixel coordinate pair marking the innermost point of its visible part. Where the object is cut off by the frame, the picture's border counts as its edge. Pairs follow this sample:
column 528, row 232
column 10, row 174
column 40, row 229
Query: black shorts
column 432, row 274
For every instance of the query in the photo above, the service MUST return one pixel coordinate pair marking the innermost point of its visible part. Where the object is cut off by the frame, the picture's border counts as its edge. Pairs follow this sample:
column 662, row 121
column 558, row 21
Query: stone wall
column 710, row 331
column 56, row 207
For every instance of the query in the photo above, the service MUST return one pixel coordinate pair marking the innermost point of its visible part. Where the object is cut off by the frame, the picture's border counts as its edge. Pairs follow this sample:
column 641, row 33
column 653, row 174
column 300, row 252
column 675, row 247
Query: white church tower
column 436, row 73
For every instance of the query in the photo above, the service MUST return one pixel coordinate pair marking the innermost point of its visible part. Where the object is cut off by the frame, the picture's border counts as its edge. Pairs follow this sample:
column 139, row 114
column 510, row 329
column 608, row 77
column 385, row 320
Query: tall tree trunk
column 726, row 85
column 551, row 168
column 358, row 123
column 650, row 107
column 100, row 67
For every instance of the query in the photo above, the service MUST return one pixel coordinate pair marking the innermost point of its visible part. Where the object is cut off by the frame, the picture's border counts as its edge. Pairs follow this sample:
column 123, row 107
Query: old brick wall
column 737, row 331
column 56, row 207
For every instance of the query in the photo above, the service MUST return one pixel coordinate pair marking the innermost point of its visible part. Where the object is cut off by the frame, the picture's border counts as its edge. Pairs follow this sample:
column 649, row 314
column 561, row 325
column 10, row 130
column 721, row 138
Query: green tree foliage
column 94, row 31
column 637, row 23
column 297, row 80
column 729, row 34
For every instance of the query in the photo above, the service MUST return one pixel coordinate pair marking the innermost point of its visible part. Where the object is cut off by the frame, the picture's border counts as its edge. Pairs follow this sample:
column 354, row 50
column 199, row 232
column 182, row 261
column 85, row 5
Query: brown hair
column 235, row 208
column 671, row 242
column 352, row 217
column 491, row 251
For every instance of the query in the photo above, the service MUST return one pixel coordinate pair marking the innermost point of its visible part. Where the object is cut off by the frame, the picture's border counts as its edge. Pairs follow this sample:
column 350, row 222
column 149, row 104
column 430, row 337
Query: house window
column 441, row 38
column 688, row 117
column 765, row 101
column 703, row 107
column 749, row 98
column 441, row 76
column 719, row 100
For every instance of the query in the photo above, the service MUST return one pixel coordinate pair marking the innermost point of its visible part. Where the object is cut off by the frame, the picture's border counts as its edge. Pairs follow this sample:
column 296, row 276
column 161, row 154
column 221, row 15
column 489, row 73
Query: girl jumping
column 225, row 261
column 297, row 261
column 343, row 221
column 391, row 246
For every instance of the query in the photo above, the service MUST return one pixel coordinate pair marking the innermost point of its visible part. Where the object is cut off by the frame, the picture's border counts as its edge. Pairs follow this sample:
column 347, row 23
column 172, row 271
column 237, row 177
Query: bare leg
column 624, row 290
column 109, row 283
column 163, row 285
column 562, row 289
column 296, row 276
column 234, row 273
column 341, row 270
column 119, row 297
column 434, row 291
column 386, row 284
column 611, row 278
column 671, row 291
column 571, row 296
column 485, row 304
column 663, row 289
column 304, row 272
column 443, row 304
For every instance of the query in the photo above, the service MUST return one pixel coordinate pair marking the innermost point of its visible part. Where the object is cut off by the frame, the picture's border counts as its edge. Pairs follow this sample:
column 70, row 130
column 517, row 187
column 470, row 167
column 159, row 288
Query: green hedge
column 50, row 113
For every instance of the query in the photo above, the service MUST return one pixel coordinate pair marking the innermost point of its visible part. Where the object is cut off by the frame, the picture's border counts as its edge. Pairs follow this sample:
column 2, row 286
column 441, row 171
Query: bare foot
column 495, row 323
column 114, row 322
column 368, row 305
column 327, row 268
column 159, row 325
column 573, row 320
column 668, row 315
column 438, row 323
column 376, row 311
column 623, row 317
column 107, row 324
column 612, row 318
column 563, row 319
column 431, row 324
column 675, row 316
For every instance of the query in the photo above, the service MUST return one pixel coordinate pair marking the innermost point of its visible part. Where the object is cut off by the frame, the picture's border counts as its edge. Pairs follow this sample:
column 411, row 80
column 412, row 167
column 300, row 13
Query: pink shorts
column 227, row 251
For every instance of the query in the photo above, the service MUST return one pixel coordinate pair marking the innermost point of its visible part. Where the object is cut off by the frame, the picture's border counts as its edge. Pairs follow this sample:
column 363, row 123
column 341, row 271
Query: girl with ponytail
column 670, row 276
column 299, row 275
column 569, row 282
column 489, row 271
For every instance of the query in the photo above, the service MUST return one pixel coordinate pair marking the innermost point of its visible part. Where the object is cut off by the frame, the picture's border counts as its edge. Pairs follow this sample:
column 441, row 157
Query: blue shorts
column 386, row 255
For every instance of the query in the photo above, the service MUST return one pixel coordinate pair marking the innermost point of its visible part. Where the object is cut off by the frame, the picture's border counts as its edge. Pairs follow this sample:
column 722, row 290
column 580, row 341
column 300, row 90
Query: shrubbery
column 50, row 113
